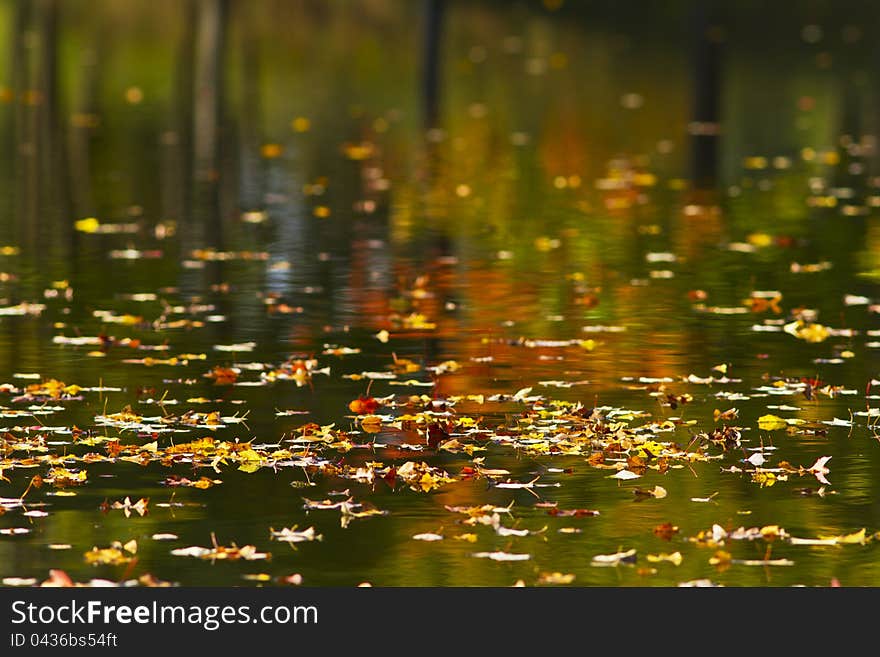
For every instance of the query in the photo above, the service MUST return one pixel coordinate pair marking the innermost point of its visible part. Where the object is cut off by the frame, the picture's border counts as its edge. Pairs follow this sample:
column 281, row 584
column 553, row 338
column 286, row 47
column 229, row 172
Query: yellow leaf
column 556, row 578
column 87, row 225
column 427, row 482
column 674, row 558
column 856, row 538
column 807, row 332
column 760, row 239
column 720, row 558
column 771, row 423
column 204, row 483
column 111, row 556
column 652, row 447
column 770, row 532
column 764, row 478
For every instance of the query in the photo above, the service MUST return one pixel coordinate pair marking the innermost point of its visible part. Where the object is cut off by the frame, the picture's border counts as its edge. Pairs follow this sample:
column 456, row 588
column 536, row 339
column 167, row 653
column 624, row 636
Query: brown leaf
column 665, row 531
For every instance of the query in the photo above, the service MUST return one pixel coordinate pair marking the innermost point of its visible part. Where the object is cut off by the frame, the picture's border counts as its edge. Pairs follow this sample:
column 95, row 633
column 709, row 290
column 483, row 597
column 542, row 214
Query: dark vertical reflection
column 203, row 148
column 705, row 126
column 434, row 12
column 433, row 32
column 55, row 184
column 41, row 190
column 437, row 247
column 26, row 174
column 84, row 120
column 250, row 171
column 177, row 142
column 208, row 91
column 42, row 187
column 9, row 114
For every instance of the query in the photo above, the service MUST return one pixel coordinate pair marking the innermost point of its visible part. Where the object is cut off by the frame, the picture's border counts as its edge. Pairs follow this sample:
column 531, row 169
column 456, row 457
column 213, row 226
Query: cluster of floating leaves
column 402, row 442
column 623, row 444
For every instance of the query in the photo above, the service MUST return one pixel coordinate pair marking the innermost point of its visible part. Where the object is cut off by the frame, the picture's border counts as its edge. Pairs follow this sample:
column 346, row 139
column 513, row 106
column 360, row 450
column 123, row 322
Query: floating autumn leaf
column 572, row 513
column 819, row 470
column 502, row 556
column 295, row 579
column 363, row 405
column 87, row 225
column 291, row 535
column 856, row 538
column 404, row 365
column 658, row 492
column 57, row 578
column 423, row 477
column 757, row 459
column 727, row 416
column 720, row 559
column 54, row 389
column 624, row 475
column 808, row 331
column 771, row 423
column 673, row 558
column 223, row 376
column 766, row 478
column 371, row 423
column 222, row 553
column 616, row 558
column 61, row 477
column 249, row 460
column 417, row 321
column 140, row 507
column 665, row 531
column 510, row 531
column 201, row 482
column 763, row 301
column 114, row 555
column 331, row 350
column 349, row 509
column 762, row 562
column 484, row 511
column 710, row 538
column 556, row 578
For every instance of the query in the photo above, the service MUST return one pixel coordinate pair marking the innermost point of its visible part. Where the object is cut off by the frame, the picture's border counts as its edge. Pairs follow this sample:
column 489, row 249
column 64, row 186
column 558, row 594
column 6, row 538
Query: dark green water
column 545, row 200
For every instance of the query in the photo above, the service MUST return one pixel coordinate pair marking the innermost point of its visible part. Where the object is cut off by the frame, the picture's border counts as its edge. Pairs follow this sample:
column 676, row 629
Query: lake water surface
column 309, row 198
